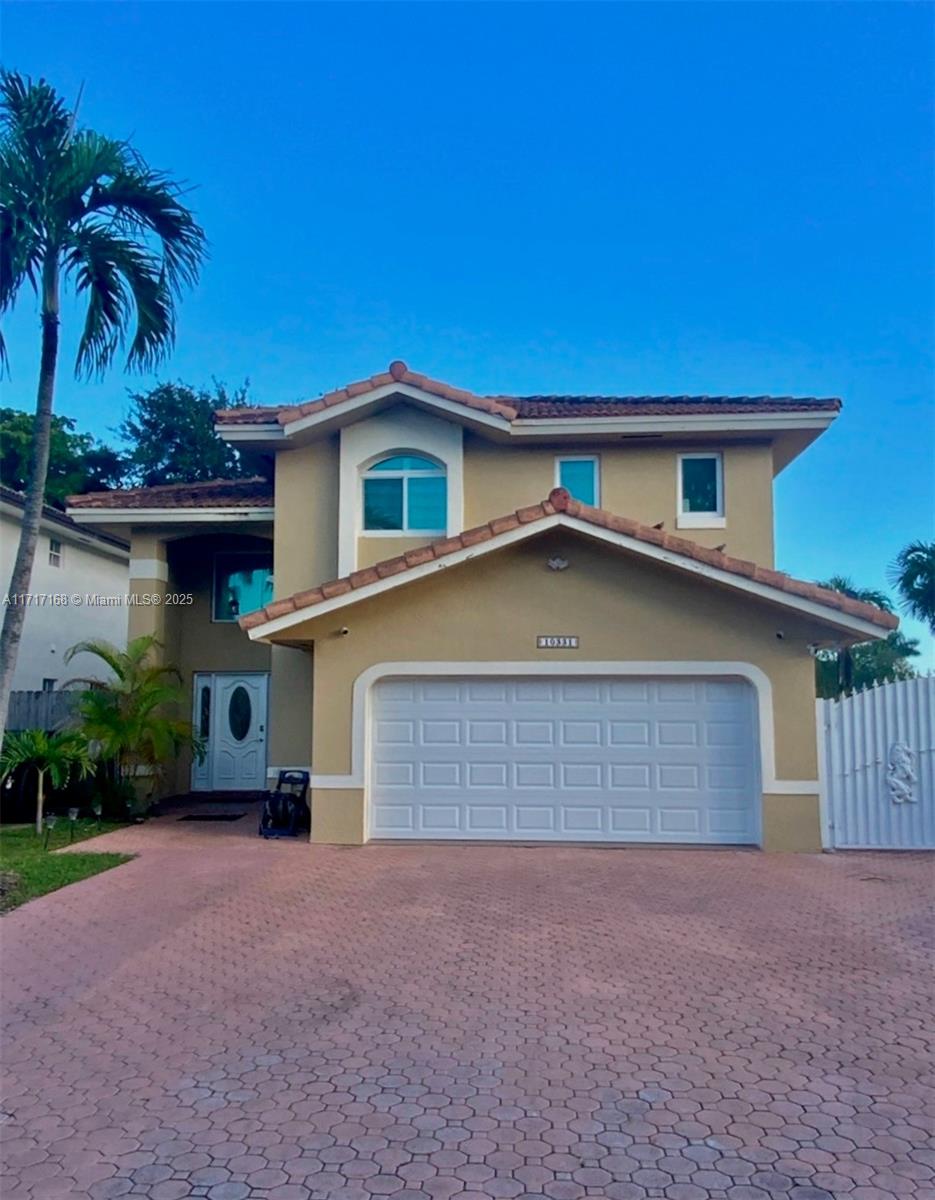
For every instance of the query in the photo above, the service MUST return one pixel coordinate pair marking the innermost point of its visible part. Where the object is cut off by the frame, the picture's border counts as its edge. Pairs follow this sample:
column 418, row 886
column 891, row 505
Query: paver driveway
column 225, row 1017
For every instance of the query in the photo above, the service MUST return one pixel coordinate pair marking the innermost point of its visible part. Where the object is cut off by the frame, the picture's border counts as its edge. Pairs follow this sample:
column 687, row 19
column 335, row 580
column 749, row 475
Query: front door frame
column 202, row 773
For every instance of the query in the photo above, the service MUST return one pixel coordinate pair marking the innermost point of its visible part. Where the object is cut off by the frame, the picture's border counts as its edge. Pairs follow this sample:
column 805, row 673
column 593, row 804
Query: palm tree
column 56, row 755
column 130, row 717
column 912, row 573
column 840, row 671
column 76, row 206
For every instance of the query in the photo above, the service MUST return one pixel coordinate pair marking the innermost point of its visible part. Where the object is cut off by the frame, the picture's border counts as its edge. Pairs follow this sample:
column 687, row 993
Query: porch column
column 149, row 582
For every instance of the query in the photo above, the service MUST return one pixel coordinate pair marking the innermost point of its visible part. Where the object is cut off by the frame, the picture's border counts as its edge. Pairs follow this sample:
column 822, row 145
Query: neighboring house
column 532, row 618
column 70, row 562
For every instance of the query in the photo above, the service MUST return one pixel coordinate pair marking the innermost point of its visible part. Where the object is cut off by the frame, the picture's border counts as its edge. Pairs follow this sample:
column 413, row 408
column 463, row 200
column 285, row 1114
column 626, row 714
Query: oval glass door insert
column 239, row 712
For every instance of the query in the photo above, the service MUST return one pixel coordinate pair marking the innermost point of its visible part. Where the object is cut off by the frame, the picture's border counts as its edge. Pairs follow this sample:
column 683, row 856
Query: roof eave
column 173, row 515
column 848, row 625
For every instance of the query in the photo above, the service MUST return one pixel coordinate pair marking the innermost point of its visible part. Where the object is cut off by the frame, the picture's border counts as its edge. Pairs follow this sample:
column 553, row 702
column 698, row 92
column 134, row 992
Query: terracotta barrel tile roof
column 529, row 408
column 255, row 492
column 560, row 501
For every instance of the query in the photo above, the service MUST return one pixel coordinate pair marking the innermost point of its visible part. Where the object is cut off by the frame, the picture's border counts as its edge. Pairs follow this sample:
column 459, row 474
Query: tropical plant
column 170, row 431
column 77, row 206
column 58, row 756
column 78, row 462
column 848, row 668
column 912, row 573
column 130, row 718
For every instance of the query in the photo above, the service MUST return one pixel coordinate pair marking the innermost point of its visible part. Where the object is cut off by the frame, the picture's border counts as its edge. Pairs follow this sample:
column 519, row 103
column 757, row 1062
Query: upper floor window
column 48, row 685
column 701, row 490
column 407, row 494
column 55, row 552
column 579, row 475
column 243, row 582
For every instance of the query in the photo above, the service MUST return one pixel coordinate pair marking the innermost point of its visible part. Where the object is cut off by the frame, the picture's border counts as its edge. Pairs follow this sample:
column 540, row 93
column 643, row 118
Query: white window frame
column 701, row 520
column 405, row 475
column 214, row 579
column 51, row 682
column 56, row 552
column 591, row 458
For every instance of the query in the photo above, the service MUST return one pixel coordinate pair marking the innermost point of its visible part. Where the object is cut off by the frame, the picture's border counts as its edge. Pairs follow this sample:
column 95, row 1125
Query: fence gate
column 876, row 750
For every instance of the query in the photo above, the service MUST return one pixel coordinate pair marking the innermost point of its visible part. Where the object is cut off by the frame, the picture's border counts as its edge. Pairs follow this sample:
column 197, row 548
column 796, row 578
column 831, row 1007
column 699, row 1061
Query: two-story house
column 494, row 617
column 77, row 594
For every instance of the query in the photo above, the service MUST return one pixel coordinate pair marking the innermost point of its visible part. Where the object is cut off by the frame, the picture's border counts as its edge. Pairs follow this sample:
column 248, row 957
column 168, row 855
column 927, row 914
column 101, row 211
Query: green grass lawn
column 28, row 869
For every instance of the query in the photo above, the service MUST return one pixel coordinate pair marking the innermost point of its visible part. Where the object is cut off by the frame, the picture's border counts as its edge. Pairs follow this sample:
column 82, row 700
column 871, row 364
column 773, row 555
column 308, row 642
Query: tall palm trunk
column 15, row 612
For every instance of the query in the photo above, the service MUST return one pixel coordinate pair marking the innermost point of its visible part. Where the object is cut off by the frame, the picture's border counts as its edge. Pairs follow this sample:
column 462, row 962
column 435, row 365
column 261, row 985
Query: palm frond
column 841, row 583
column 124, row 284
column 34, row 117
column 107, row 652
column 912, row 573
column 141, row 201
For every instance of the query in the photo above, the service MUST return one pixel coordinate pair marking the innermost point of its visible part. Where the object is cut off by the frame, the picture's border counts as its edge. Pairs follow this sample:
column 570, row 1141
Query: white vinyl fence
column 877, row 755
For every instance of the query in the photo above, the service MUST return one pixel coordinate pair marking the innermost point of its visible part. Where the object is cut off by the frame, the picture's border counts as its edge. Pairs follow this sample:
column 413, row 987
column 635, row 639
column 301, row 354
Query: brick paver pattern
column 231, row 1018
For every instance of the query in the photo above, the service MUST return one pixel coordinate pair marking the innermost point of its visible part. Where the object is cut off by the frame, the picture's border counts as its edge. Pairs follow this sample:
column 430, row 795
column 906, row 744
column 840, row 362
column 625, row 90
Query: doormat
column 213, row 817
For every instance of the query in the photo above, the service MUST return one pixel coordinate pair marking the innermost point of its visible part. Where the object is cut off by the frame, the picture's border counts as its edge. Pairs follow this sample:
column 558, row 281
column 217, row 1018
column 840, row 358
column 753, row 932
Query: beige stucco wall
column 290, row 706
column 306, row 532
column 372, row 550
column 637, row 481
column 622, row 609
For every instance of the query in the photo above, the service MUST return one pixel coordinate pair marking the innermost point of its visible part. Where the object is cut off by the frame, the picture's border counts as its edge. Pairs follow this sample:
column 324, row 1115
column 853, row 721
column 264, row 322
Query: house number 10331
column 557, row 641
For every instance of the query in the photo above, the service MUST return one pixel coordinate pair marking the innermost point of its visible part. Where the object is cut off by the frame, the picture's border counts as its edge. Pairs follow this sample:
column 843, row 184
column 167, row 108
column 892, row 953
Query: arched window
column 406, row 493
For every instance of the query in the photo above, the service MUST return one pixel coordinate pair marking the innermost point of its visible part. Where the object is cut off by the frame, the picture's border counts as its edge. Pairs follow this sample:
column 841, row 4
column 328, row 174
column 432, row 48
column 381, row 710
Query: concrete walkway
column 230, row 1018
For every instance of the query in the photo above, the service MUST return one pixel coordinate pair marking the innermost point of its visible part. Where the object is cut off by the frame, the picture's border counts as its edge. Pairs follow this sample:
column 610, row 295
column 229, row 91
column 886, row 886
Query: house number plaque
column 557, row 641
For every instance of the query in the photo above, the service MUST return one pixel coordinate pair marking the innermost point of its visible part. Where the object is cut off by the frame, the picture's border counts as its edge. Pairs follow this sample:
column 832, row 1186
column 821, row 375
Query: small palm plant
column 130, row 718
column 56, row 756
column 913, row 575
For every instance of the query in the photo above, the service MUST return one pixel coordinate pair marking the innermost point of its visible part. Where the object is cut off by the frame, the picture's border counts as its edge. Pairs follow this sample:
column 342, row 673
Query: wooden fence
column 40, row 710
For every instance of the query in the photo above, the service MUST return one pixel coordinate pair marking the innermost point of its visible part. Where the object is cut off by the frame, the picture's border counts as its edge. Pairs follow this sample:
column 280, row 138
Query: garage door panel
column 631, row 776
column 628, row 823
column 534, row 775
column 668, row 760
column 440, row 774
column 676, row 777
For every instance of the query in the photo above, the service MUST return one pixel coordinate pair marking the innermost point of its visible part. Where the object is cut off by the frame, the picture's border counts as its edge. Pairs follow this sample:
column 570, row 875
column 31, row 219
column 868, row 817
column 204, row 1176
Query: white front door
column 230, row 714
column 565, row 759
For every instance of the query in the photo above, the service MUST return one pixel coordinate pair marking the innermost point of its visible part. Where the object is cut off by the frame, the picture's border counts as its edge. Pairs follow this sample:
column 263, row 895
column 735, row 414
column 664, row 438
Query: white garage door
column 565, row 759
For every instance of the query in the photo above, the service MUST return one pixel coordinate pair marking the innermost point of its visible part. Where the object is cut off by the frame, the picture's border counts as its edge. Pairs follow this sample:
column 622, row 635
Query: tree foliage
column 78, row 462
column 912, row 573
column 170, row 430
column 851, row 668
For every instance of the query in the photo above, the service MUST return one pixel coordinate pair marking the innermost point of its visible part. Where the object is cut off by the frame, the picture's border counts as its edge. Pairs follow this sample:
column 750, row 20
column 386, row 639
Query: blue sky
column 532, row 197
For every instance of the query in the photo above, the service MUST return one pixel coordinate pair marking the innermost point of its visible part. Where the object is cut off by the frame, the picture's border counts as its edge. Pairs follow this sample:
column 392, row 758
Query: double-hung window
column 579, row 475
column 405, row 493
column 700, row 491
column 55, row 552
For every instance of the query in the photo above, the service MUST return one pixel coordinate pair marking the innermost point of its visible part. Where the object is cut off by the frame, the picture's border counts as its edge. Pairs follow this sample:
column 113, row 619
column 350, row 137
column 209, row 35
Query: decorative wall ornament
column 900, row 774
column 557, row 564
